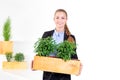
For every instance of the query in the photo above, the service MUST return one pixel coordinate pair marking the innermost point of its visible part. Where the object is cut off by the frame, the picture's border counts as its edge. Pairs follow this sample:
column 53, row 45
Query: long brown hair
column 67, row 31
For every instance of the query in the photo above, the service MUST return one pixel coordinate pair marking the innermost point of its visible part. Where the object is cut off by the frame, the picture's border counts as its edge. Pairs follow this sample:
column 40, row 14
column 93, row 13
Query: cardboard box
column 7, row 46
column 14, row 65
column 56, row 65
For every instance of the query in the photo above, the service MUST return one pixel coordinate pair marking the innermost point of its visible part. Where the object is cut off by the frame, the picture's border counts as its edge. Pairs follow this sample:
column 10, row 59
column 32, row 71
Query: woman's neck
column 60, row 30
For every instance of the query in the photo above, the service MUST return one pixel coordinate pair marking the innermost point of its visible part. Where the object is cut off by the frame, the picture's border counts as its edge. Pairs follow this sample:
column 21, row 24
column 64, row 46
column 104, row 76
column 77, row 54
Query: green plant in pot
column 65, row 50
column 14, row 62
column 9, row 56
column 44, row 46
column 62, row 62
column 19, row 57
column 7, row 45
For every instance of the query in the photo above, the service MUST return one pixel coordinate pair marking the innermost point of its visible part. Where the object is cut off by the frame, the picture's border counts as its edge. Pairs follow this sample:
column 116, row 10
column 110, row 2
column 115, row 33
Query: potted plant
column 62, row 63
column 9, row 56
column 19, row 57
column 14, row 62
column 7, row 45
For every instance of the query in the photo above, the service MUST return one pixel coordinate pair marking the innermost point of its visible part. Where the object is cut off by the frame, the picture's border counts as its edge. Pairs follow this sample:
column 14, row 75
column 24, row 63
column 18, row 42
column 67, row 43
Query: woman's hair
column 70, row 39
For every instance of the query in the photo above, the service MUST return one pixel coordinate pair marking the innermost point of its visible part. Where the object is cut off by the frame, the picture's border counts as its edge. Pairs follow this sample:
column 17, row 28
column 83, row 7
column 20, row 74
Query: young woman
column 59, row 34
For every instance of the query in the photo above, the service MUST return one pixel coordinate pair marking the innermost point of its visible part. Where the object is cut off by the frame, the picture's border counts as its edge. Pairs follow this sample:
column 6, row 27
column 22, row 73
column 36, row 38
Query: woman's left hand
column 81, row 66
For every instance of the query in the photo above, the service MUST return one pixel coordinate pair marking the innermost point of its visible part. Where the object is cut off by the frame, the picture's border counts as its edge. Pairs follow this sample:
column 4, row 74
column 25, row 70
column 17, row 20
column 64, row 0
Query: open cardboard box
column 56, row 65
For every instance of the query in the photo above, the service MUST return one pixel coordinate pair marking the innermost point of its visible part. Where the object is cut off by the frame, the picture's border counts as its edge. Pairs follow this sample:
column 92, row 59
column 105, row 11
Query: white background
column 95, row 24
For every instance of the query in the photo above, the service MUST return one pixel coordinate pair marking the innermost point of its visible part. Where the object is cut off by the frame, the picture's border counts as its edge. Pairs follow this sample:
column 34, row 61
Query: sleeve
column 75, row 55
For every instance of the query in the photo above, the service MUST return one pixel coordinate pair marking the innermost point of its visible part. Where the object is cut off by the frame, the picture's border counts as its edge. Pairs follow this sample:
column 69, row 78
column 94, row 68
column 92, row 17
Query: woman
column 59, row 34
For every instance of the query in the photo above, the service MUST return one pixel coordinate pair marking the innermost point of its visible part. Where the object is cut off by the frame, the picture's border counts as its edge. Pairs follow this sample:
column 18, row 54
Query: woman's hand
column 81, row 66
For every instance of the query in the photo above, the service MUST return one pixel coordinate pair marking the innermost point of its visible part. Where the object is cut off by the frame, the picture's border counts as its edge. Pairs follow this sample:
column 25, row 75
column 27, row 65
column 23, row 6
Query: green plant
column 65, row 50
column 44, row 46
column 9, row 56
column 19, row 57
column 7, row 30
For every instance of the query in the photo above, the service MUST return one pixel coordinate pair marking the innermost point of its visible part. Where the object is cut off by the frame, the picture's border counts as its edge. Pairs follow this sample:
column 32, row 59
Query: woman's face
column 60, row 19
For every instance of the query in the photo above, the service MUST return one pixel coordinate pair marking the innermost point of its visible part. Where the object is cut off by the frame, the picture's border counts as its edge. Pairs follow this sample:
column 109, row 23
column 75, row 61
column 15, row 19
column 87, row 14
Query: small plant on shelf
column 19, row 57
column 7, row 30
column 9, row 56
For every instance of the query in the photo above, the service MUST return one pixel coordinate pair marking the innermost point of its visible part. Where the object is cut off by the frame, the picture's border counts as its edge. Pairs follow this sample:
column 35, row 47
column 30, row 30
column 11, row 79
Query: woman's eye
column 57, row 17
column 63, row 18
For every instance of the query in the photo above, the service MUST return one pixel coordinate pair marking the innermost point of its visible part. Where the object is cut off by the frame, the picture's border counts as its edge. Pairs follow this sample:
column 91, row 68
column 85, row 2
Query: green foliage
column 9, row 56
column 65, row 50
column 44, row 46
column 7, row 30
column 19, row 57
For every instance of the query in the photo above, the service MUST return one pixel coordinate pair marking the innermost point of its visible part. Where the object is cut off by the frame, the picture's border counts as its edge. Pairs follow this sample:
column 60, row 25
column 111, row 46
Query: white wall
column 95, row 23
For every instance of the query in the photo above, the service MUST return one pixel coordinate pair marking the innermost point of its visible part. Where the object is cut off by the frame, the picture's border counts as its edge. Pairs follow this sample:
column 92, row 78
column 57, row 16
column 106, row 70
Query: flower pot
column 56, row 65
column 7, row 46
column 14, row 65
